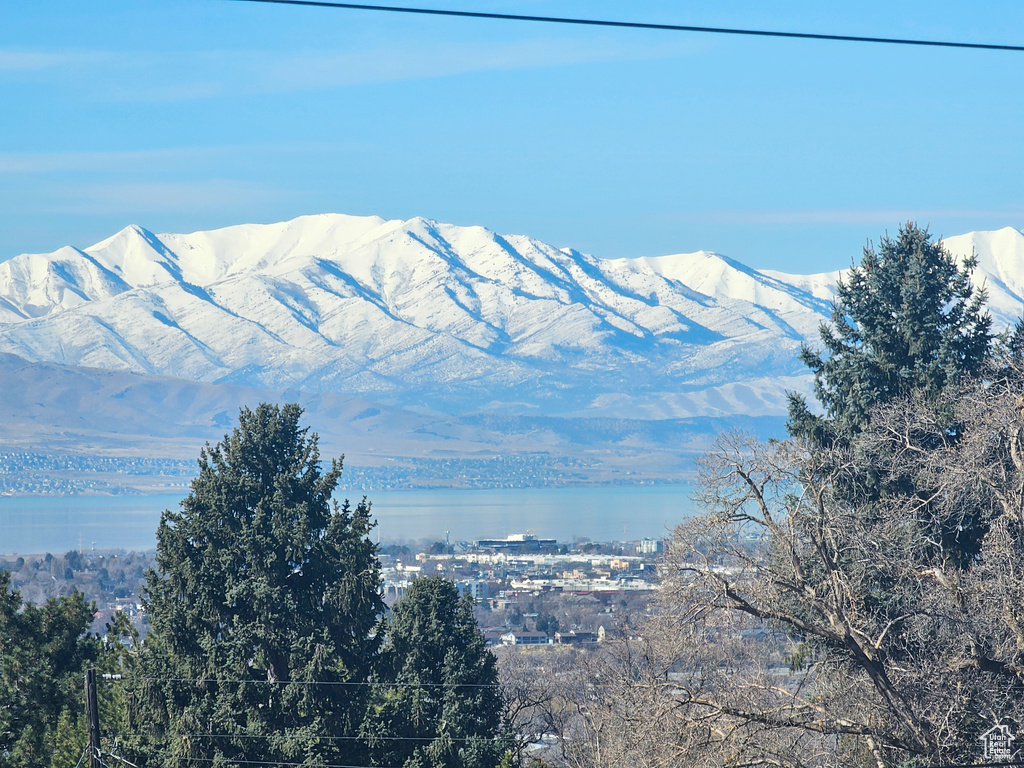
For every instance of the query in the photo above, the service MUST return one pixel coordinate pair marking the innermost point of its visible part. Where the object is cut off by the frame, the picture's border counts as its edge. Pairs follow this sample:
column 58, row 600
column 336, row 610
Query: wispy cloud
column 805, row 216
column 14, row 60
column 61, row 162
column 166, row 197
column 173, row 76
column 149, row 160
column 419, row 62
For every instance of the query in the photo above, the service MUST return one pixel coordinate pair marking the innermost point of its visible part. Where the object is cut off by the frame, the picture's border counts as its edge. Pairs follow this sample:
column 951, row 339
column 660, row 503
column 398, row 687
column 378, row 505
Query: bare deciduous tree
column 533, row 685
column 857, row 605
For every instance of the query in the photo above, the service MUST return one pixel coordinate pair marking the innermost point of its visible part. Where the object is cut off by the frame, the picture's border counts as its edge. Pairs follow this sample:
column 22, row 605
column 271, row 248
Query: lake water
column 60, row 523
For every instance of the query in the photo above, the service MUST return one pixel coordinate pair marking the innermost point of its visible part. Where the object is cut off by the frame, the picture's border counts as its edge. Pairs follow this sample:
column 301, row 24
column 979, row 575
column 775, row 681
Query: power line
column 310, row 737
column 233, row 761
column 641, row 25
column 326, row 683
column 588, row 684
column 238, row 761
column 334, row 683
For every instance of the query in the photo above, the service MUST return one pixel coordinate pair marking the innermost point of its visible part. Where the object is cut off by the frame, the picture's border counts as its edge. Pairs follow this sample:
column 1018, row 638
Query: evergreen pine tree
column 70, row 740
column 118, row 655
column 44, row 652
column 264, row 607
column 906, row 321
column 438, row 704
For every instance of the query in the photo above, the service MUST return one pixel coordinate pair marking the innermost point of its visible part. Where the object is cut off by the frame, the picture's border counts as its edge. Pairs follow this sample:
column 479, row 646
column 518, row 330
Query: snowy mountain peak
column 427, row 313
column 1000, row 270
column 138, row 257
column 36, row 285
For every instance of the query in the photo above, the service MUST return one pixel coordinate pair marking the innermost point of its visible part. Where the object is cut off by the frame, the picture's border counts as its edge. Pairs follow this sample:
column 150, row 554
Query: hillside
column 417, row 313
column 412, row 338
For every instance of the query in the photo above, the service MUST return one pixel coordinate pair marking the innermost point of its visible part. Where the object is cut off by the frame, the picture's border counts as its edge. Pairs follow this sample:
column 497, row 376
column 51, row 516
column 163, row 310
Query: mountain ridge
column 440, row 318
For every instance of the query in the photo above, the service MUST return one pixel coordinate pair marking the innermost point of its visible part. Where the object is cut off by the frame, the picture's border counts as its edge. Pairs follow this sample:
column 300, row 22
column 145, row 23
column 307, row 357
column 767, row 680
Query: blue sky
column 784, row 154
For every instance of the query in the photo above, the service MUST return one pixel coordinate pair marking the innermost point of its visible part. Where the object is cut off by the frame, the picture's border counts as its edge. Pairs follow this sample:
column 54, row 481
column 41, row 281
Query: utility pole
column 92, row 718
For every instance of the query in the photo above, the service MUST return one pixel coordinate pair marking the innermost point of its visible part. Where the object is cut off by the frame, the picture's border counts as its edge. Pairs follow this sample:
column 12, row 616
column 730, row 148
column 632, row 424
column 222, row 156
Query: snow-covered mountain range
column 429, row 315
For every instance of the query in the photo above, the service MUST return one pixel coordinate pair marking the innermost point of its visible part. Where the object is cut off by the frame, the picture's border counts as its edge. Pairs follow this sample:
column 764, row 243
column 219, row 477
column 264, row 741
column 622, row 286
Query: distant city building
column 475, row 588
column 574, row 637
column 492, row 636
column 650, row 546
column 519, row 543
column 525, row 637
column 394, row 590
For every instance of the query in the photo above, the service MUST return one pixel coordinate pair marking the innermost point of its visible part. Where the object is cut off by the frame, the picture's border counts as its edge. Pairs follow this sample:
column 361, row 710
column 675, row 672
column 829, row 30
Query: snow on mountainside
column 1000, row 269
column 419, row 313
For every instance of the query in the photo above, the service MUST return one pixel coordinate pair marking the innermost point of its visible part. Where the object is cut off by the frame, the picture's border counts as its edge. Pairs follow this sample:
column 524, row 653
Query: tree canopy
column 264, row 607
column 44, row 651
column 906, row 320
column 438, row 703
column 816, row 631
column 266, row 636
column 852, row 596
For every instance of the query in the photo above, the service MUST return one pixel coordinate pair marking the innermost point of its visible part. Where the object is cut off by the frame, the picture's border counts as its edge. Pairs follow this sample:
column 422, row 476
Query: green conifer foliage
column 44, row 651
column 438, row 705
column 70, row 740
column 264, row 607
column 906, row 321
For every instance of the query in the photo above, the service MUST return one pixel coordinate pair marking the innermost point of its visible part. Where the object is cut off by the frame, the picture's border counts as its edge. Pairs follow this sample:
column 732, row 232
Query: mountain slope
column 1000, row 269
column 423, row 314
column 73, row 411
